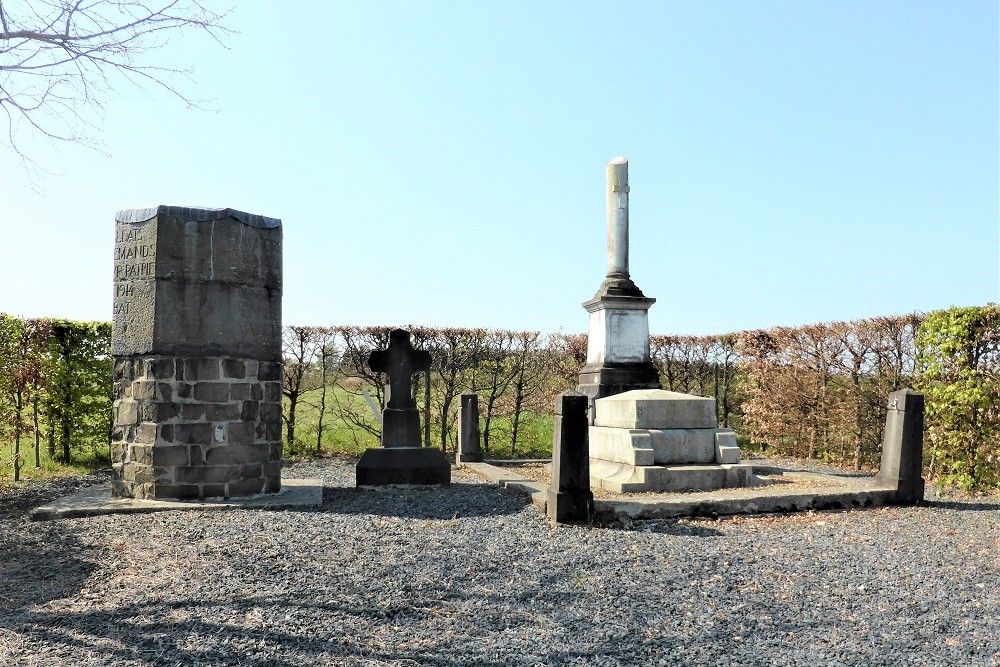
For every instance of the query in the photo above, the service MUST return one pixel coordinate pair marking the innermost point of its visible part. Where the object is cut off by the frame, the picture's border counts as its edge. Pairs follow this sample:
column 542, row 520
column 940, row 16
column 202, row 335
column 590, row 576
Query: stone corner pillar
column 903, row 446
column 569, row 497
column 196, row 346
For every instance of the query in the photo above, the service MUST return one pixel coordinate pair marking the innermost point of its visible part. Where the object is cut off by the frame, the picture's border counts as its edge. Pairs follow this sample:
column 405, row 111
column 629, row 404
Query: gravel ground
column 474, row 575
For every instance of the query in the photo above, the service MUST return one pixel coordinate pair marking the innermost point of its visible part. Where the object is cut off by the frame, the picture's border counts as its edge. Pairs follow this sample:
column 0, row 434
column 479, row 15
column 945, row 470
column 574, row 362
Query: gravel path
column 474, row 575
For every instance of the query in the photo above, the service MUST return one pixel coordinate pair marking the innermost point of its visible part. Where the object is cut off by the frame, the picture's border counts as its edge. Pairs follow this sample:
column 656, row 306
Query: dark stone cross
column 401, row 459
column 400, row 418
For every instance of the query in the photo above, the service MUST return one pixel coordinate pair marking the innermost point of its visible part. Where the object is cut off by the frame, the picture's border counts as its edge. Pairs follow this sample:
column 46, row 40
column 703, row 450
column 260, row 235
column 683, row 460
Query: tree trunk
column 518, row 403
column 52, row 442
column 65, row 442
column 293, row 400
column 427, row 408
column 322, row 407
column 34, row 424
column 445, row 407
column 18, row 406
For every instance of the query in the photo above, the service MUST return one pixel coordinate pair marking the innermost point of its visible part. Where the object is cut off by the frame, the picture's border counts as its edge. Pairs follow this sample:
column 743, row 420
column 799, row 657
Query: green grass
column 341, row 439
column 84, row 462
column 534, row 437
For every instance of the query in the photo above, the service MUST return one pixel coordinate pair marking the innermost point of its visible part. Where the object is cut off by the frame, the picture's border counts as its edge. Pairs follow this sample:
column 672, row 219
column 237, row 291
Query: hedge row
column 816, row 391
column 55, row 387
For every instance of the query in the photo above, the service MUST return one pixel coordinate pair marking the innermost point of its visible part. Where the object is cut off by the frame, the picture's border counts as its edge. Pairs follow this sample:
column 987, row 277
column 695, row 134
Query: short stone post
column 468, row 430
column 196, row 345
column 569, row 498
column 903, row 446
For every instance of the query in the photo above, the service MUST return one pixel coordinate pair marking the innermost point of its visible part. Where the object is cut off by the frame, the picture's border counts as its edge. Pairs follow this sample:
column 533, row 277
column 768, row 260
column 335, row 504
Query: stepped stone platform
column 805, row 491
column 656, row 440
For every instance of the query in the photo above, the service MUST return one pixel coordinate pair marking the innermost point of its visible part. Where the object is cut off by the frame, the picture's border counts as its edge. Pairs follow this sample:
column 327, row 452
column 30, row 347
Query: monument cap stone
column 655, row 409
column 197, row 281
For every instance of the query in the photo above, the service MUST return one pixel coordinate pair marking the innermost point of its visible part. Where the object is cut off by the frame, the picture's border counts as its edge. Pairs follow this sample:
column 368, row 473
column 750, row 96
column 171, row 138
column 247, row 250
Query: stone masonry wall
column 196, row 427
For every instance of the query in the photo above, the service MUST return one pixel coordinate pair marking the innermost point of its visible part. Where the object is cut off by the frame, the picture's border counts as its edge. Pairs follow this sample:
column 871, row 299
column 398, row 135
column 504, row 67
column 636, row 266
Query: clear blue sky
column 443, row 163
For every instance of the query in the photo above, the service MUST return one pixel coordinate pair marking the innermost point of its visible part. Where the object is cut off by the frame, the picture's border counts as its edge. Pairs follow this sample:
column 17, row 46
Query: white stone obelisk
column 618, row 218
column 618, row 333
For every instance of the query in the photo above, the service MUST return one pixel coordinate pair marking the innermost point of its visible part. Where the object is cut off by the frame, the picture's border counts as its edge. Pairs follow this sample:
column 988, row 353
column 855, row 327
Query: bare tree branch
column 60, row 59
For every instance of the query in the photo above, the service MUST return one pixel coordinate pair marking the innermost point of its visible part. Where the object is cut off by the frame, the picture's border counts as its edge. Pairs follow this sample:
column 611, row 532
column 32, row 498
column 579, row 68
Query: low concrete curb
column 509, row 479
column 752, row 500
column 97, row 500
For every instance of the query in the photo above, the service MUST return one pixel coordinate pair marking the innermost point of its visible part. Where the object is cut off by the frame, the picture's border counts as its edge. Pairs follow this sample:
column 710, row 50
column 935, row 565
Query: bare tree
column 60, row 59
column 348, row 406
column 299, row 348
column 327, row 353
column 453, row 354
column 497, row 373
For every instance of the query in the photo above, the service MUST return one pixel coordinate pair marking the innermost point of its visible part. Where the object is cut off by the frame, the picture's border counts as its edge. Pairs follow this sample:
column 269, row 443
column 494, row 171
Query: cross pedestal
column 401, row 459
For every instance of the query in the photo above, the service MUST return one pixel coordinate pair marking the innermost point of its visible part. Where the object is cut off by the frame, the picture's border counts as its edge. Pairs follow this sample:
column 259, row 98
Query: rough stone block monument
column 618, row 332
column 656, row 440
column 197, row 354
column 903, row 446
column 401, row 460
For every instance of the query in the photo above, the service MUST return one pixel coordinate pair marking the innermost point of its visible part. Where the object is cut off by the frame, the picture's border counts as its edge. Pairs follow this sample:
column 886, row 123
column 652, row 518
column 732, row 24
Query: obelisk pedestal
column 618, row 333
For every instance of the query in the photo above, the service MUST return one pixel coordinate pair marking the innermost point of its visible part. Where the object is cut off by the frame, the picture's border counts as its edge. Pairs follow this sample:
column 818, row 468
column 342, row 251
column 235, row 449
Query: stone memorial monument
column 401, row 459
column 643, row 438
column 903, row 446
column 618, row 332
column 197, row 354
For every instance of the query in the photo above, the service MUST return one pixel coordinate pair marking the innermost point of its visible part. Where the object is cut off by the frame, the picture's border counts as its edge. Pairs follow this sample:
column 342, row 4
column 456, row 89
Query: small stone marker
column 903, row 446
column 401, row 459
column 468, row 430
column 196, row 345
column 569, row 497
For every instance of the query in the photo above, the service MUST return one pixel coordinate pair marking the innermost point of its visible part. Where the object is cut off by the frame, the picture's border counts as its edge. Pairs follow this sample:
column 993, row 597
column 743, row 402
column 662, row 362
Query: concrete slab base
column 394, row 466
column 95, row 501
column 840, row 494
column 625, row 478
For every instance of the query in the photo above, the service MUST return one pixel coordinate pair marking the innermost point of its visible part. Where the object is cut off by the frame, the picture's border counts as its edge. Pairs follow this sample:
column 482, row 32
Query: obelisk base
column 382, row 466
column 617, row 343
